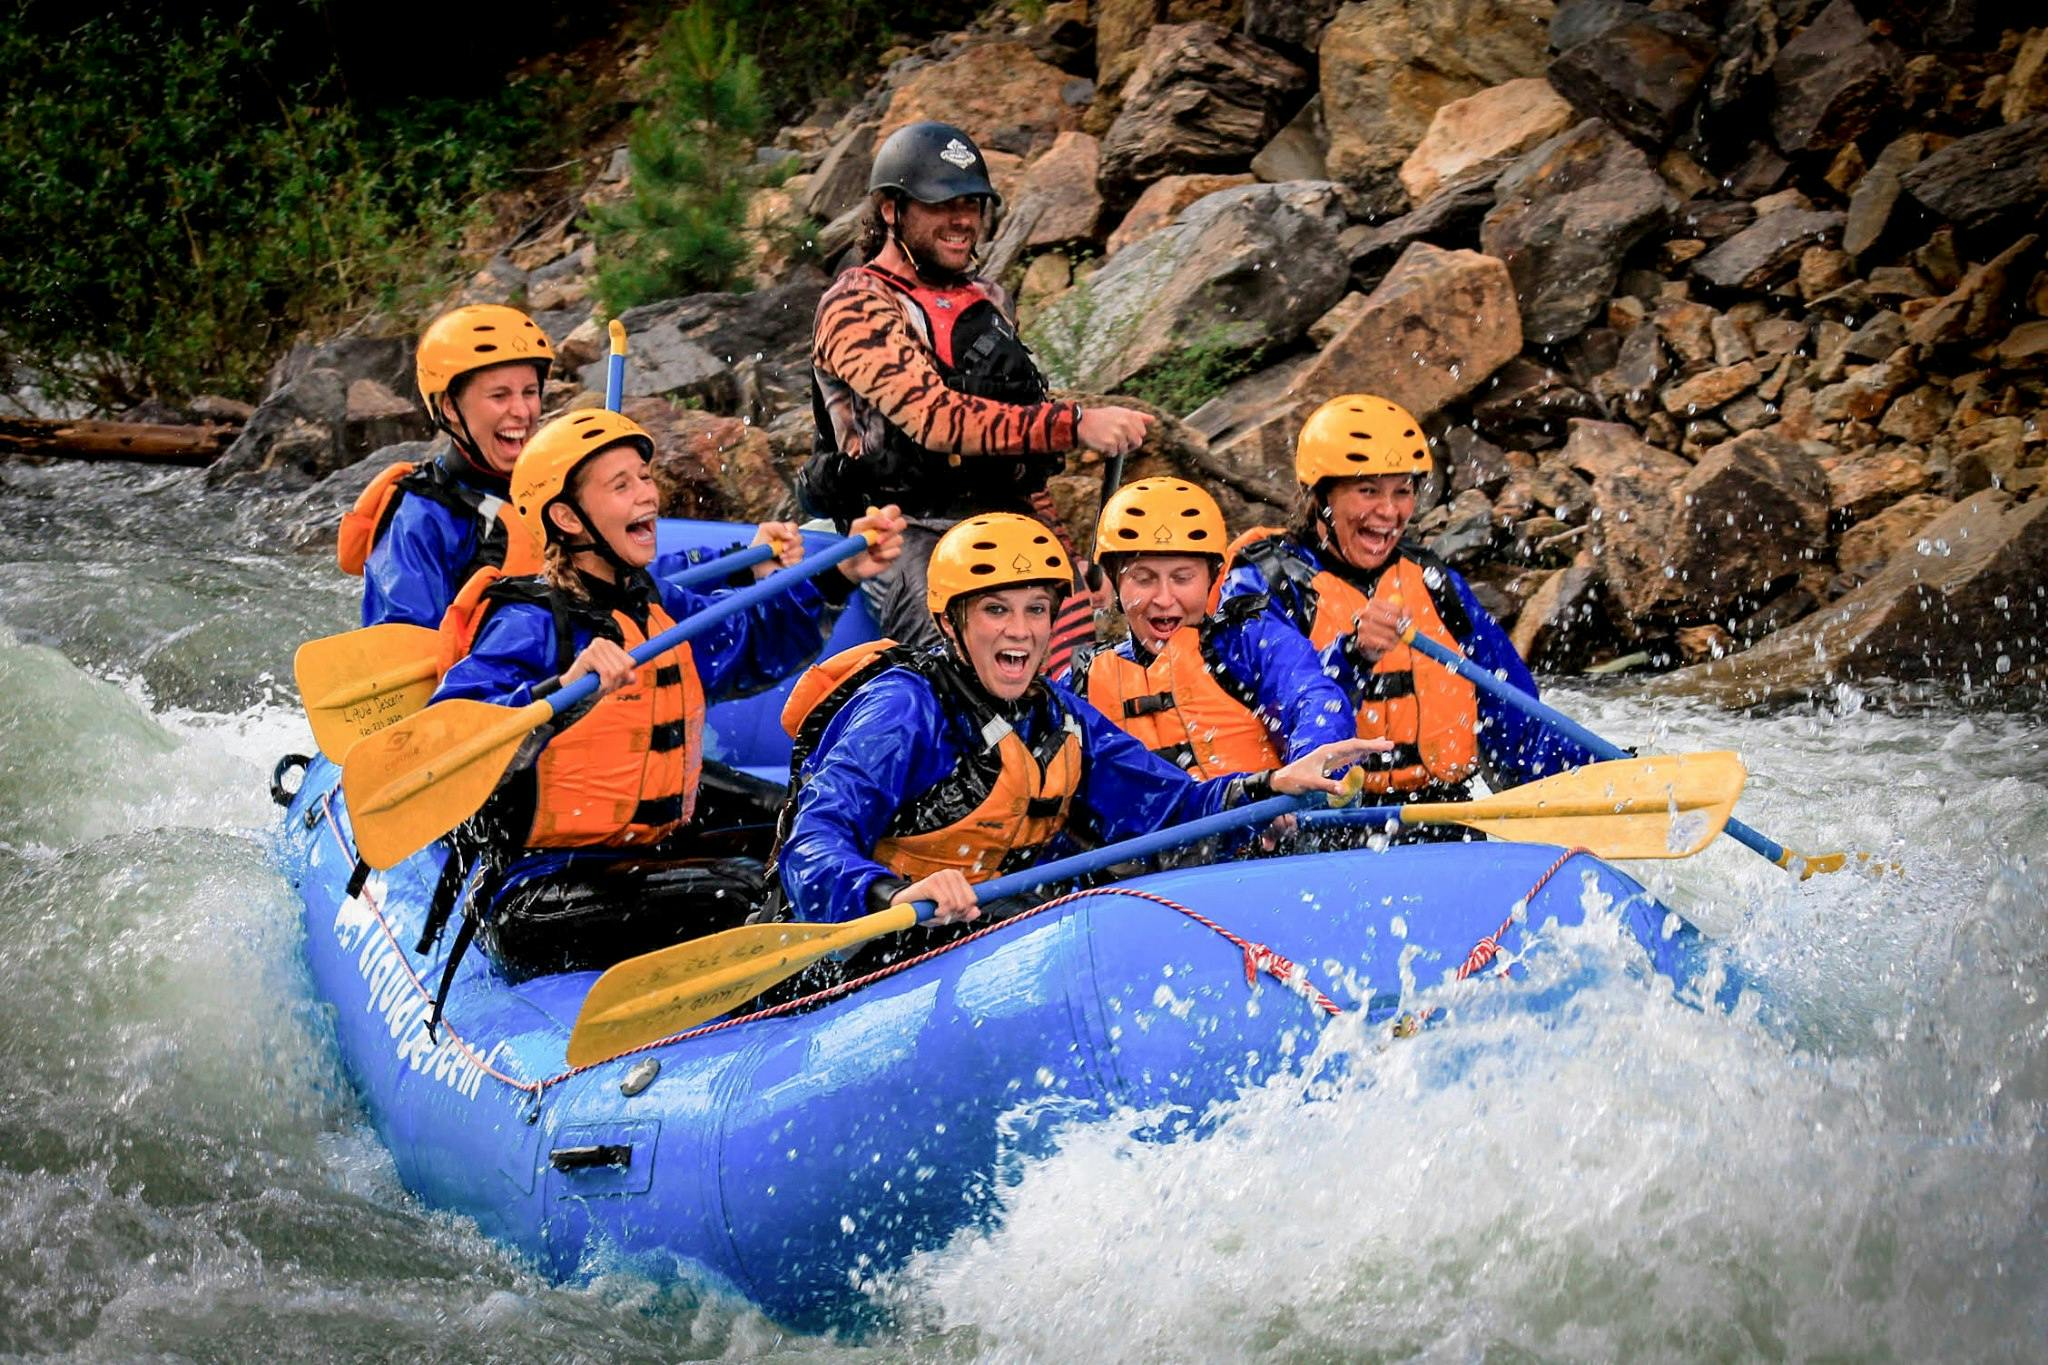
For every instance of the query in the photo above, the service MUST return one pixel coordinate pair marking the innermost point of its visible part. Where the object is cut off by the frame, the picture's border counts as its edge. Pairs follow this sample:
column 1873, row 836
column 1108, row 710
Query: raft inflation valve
column 595, row 1155
column 640, row 1077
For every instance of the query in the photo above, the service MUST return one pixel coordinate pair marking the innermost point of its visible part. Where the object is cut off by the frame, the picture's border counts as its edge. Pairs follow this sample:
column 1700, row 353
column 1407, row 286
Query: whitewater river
column 1854, row 1165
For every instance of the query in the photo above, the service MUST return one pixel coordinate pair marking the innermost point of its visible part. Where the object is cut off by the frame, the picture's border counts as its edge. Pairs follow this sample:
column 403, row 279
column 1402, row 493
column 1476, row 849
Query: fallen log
column 153, row 443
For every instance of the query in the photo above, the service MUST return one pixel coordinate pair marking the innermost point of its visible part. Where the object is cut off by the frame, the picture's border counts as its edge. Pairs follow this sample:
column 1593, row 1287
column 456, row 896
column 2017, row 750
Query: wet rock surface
column 1723, row 318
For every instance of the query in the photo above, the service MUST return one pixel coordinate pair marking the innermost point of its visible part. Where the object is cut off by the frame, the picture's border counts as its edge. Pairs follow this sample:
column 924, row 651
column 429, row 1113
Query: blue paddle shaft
column 745, row 599
column 1374, row 816
column 1566, row 726
column 709, row 569
column 615, row 381
column 1143, row 846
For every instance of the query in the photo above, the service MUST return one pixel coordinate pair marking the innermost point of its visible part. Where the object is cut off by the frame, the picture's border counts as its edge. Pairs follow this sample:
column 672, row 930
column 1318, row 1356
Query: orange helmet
column 1160, row 516
column 1358, row 434
column 474, row 338
column 994, row 550
column 550, row 460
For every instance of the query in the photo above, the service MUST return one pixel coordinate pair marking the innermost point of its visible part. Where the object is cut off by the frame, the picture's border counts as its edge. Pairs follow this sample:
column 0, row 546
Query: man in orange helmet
column 1346, row 577
column 418, row 532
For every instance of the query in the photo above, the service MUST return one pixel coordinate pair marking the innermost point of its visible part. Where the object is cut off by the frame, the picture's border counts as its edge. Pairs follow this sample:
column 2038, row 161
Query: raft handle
column 594, row 1156
column 279, row 792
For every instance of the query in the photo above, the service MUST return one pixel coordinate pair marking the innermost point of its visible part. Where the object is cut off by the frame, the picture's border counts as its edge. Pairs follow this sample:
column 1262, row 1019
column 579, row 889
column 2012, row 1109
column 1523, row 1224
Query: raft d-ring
column 279, row 792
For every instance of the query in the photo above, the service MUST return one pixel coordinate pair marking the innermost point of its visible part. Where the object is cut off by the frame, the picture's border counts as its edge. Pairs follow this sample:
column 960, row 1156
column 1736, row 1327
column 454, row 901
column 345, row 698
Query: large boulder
column 1499, row 121
column 1387, row 66
column 1959, row 606
column 1559, row 624
column 1056, row 205
column 1834, row 79
column 1766, row 250
column 711, row 467
column 1870, row 203
column 1163, row 201
column 1633, row 68
column 317, row 423
column 1239, row 271
column 1201, row 99
column 841, row 181
column 1563, row 218
column 1681, row 544
column 1632, row 513
column 705, row 348
column 1450, row 218
column 1000, row 93
column 1987, row 177
column 1752, row 514
column 1437, row 326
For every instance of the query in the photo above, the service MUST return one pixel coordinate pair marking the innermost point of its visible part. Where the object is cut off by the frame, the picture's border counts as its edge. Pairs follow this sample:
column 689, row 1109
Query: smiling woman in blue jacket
column 921, row 773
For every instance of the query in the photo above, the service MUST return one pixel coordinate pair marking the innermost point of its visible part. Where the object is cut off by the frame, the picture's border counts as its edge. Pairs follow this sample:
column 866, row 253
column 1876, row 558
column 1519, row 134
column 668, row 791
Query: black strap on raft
column 463, row 936
column 454, row 871
column 465, row 852
column 358, row 877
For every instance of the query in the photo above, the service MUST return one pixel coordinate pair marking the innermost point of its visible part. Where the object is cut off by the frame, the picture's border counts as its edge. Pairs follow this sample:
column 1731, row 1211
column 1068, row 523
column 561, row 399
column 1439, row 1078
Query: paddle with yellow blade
column 362, row 681
column 1804, row 864
column 410, row 783
column 1665, row 807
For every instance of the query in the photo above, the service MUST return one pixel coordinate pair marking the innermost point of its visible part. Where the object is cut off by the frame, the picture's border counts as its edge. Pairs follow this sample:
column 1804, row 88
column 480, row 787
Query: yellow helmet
column 1358, row 434
column 994, row 550
column 474, row 338
column 1162, row 517
column 550, row 459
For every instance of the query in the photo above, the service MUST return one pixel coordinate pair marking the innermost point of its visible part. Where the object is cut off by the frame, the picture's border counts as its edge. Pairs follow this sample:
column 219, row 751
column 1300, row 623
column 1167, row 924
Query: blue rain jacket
column 1515, row 747
column 892, row 741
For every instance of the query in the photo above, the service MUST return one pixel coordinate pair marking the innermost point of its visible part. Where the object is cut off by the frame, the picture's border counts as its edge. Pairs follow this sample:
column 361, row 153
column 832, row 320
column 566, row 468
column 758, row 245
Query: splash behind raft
column 793, row 1157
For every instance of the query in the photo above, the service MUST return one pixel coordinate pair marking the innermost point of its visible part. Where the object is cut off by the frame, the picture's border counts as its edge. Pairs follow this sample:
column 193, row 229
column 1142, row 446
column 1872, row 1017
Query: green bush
column 176, row 211
column 683, row 227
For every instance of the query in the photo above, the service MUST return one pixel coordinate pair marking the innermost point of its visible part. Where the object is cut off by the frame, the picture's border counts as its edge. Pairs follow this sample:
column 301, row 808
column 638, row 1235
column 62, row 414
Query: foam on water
column 1853, row 1164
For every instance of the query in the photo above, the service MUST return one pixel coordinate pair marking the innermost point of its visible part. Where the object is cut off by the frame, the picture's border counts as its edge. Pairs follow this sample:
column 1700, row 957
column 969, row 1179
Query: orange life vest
column 994, row 812
column 1183, row 706
column 1430, row 713
column 363, row 525
column 626, row 770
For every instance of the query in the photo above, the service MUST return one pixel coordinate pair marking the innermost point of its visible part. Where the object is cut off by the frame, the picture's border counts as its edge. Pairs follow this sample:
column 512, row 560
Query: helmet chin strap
column 594, row 543
column 465, row 441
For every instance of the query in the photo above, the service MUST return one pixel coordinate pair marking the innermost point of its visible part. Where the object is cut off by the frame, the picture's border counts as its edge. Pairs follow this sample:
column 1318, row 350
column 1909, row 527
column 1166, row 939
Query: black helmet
column 931, row 162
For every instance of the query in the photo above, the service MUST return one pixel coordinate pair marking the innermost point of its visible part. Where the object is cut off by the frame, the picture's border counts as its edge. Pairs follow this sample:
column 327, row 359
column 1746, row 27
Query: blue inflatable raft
column 794, row 1157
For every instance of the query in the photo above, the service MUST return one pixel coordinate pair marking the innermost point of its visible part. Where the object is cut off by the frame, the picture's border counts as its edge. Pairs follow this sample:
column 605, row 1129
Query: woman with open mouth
column 919, row 773
column 419, row 531
column 1234, row 691
column 1343, row 576
column 620, row 773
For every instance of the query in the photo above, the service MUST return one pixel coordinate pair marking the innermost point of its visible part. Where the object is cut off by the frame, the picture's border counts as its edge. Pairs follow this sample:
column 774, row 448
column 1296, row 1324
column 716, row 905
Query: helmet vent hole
column 485, row 347
column 981, row 570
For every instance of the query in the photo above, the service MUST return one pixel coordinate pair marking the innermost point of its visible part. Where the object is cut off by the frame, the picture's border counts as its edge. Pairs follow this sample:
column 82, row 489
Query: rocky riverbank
column 1729, row 320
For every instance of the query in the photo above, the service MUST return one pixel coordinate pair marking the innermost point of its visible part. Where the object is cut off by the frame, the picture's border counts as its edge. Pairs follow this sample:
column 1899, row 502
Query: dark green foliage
column 682, row 229
column 823, row 49
column 176, row 209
